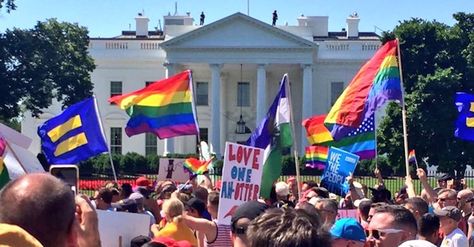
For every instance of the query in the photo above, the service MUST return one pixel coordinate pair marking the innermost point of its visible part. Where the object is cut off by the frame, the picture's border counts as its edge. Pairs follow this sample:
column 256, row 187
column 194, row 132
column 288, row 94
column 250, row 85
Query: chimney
column 141, row 25
column 353, row 25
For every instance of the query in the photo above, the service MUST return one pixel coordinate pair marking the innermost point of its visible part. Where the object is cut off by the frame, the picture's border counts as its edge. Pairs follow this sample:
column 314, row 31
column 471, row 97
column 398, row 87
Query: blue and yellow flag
column 74, row 135
column 465, row 122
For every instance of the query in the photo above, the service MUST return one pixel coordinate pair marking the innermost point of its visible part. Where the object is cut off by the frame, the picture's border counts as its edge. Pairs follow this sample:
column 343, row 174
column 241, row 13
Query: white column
column 261, row 93
column 215, row 109
column 169, row 142
column 307, row 100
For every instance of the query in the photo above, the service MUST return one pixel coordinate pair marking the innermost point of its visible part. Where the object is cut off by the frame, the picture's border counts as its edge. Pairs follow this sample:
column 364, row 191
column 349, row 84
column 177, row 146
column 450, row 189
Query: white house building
column 237, row 64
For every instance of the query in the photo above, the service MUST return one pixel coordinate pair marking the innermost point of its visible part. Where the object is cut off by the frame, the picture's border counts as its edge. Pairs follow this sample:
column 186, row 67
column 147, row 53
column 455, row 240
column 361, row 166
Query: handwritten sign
column 340, row 163
column 241, row 178
column 173, row 169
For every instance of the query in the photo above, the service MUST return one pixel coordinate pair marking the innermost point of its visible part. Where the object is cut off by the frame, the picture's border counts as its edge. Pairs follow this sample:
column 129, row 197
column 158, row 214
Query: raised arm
column 424, row 181
column 209, row 228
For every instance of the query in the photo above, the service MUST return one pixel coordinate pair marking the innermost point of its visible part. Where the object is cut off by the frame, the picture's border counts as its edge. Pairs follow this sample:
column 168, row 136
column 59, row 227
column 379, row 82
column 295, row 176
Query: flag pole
column 404, row 114
column 376, row 143
column 295, row 151
column 97, row 112
column 191, row 87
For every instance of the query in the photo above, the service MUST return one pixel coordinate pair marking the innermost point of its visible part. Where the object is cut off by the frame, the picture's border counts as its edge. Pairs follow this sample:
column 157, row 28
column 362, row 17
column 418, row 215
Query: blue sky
column 107, row 18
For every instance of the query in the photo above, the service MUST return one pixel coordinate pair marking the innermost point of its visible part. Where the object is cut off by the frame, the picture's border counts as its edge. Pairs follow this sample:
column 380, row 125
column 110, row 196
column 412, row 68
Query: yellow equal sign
column 72, row 142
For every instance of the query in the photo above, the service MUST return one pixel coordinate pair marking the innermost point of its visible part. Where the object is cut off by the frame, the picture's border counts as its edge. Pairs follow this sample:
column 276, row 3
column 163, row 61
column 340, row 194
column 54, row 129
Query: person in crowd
column 373, row 209
column 140, row 201
column 308, row 185
column 308, row 207
column 447, row 197
column 464, row 198
column 401, row 196
column 241, row 219
column 201, row 193
column 449, row 218
column 327, row 208
column 347, row 232
column 363, row 208
column 113, row 187
column 428, row 228
column 213, row 204
column 197, row 208
column 126, row 191
column 293, row 184
column 428, row 192
column 103, row 199
column 287, row 227
column 417, row 206
column 443, row 179
column 45, row 207
column 392, row 225
column 282, row 191
column 381, row 194
column 175, row 228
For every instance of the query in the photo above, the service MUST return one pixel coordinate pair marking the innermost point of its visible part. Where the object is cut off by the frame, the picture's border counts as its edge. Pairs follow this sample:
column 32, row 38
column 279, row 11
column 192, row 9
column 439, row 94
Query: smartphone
column 69, row 174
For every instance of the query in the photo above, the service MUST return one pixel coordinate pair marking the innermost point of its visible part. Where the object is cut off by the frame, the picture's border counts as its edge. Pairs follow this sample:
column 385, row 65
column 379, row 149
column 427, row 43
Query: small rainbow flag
column 316, row 157
column 376, row 83
column 316, row 132
column 411, row 156
column 195, row 166
column 164, row 108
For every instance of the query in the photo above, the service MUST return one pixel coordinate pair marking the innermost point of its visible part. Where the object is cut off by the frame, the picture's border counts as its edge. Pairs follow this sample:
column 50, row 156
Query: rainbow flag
column 164, row 108
column 316, row 131
column 360, row 141
column 412, row 156
column 195, row 166
column 377, row 82
column 316, row 157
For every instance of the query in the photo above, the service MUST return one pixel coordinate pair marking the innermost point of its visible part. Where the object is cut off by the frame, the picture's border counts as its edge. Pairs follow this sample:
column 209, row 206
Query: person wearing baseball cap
column 241, row 219
column 347, row 232
column 449, row 218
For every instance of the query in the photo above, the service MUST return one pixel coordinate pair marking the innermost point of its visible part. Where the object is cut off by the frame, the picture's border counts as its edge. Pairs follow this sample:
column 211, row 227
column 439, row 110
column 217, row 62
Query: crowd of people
column 40, row 210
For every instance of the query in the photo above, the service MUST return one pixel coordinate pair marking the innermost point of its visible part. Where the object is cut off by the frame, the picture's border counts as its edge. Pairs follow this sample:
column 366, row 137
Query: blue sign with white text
column 339, row 164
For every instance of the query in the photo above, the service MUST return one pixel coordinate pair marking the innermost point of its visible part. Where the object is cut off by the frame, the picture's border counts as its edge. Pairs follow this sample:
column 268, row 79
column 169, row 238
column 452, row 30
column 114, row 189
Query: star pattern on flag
column 366, row 126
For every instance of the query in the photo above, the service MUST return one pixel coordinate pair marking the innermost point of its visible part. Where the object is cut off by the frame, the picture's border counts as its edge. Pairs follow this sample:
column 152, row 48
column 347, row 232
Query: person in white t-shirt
column 449, row 218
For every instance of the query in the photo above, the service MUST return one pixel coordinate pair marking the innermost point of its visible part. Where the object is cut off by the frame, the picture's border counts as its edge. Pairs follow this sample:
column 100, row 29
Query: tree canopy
column 49, row 61
column 437, row 61
column 9, row 5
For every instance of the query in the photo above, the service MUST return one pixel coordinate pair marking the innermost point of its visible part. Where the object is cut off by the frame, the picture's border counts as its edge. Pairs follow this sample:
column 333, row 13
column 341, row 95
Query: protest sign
column 173, row 169
column 241, row 178
column 339, row 164
column 119, row 228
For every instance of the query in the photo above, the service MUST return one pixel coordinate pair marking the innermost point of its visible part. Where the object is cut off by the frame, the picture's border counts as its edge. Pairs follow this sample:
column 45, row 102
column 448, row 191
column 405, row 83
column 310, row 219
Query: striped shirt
column 222, row 238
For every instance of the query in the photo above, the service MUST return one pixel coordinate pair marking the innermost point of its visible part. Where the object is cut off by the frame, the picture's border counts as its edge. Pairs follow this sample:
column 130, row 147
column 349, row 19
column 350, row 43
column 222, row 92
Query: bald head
column 40, row 204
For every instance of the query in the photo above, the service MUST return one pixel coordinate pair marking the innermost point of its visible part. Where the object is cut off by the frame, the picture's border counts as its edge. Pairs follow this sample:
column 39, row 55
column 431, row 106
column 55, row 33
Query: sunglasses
column 382, row 232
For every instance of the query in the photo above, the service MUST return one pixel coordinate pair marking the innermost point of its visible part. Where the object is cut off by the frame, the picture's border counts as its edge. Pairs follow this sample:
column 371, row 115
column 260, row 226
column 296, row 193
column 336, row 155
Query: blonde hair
column 173, row 209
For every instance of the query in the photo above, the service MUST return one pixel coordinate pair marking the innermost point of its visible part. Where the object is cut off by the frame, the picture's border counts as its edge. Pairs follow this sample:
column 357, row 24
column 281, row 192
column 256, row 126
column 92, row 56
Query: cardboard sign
column 339, row 164
column 119, row 228
column 173, row 169
column 241, row 178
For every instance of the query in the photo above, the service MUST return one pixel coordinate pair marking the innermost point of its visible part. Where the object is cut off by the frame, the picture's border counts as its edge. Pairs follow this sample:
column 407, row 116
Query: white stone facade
column 319, row 64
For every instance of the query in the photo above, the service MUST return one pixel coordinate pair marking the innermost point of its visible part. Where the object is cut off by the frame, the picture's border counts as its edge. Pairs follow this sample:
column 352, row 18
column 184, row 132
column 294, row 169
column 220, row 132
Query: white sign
column 119, row 228
column 173, row 169
column 241, row 178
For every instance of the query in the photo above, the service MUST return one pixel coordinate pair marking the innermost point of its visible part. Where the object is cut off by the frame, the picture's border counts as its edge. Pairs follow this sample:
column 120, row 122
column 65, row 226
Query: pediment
column 237, row 31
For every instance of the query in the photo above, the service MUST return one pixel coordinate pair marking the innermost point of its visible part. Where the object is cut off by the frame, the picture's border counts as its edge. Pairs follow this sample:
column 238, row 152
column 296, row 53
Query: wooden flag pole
column 97, row 112
column 404, row 114
column 295, row 150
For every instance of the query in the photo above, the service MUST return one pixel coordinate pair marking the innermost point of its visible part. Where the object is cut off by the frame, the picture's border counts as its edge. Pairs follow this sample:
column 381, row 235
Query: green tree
column 9, row 5
column 436, row 64
column 39, row 64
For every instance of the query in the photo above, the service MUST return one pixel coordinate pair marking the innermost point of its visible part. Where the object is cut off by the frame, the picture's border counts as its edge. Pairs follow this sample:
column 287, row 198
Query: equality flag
column 316, row 131
column 377, row 82
column 412, row 156
column 360, row 141
column 164, row 108
column 465, row 121
column 74, row 135
column 316, row 157
column 274, row 136
column 195, row 166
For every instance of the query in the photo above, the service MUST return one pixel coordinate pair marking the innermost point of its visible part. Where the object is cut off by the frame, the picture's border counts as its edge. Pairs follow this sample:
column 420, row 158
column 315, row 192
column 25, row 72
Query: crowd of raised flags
column 166, row 108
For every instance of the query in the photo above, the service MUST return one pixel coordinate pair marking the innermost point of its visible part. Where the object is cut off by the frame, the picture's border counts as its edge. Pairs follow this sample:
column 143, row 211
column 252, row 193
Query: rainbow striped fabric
column 196, row 166
column 316, row 132
column 316, row 157
column 377, row 82
column 164, row 108
column 412, row 156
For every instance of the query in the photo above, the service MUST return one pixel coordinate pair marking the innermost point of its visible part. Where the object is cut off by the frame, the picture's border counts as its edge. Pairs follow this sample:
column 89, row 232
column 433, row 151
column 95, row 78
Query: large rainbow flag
column 164, row 108
column 377, row 82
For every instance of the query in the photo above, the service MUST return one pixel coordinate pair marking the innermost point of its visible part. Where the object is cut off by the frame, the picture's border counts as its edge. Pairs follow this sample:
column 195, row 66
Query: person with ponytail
column 175, row 228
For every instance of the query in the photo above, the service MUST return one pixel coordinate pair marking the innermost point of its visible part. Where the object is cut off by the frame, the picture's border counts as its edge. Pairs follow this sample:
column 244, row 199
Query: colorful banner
column 339, row 165
column 241, row 178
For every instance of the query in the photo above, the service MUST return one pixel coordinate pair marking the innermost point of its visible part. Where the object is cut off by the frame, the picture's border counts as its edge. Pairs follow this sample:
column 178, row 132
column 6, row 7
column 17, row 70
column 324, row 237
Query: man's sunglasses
column 378, row 233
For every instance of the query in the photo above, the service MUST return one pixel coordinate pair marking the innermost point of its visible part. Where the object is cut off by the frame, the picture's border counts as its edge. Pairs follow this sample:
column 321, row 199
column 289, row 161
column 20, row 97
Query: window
column 115, row 88
column 151, row 146
column 336, row 89
column 204, row 136
column 243, row 94
column 202, row 93
column 116, row 140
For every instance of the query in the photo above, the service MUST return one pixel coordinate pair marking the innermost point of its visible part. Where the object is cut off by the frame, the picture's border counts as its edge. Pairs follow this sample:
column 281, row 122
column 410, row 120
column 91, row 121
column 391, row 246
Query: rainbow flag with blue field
column 164, row 108
column 376, row 83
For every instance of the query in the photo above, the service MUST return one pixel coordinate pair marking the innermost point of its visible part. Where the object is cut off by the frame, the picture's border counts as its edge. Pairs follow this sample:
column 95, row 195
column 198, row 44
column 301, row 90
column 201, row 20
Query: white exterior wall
column 135, row 61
